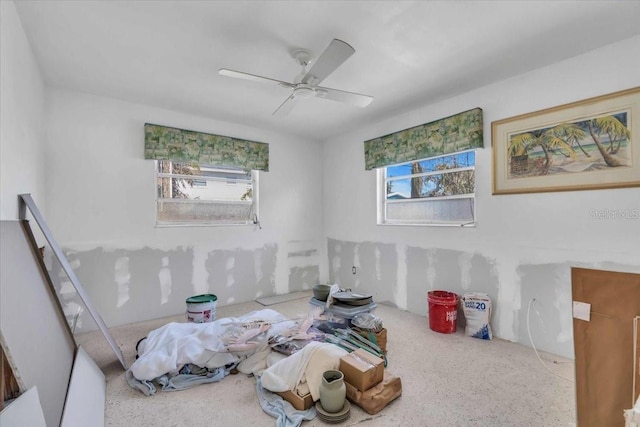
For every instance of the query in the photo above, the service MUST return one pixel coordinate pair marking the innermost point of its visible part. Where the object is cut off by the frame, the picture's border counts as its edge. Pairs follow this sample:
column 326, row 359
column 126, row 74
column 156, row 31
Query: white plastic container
column 201, row 308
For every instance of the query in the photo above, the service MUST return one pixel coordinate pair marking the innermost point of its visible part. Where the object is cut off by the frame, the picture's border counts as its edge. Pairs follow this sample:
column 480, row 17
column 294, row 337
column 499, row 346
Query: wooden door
column 604, row 345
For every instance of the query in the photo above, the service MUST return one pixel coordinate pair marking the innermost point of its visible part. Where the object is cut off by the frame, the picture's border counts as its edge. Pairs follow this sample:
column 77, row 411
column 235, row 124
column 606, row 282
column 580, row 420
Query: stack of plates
column 352, row 298
column 334, row 418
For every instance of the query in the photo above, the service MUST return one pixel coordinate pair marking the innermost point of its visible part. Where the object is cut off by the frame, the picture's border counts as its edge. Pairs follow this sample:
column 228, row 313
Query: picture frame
column 585, row 145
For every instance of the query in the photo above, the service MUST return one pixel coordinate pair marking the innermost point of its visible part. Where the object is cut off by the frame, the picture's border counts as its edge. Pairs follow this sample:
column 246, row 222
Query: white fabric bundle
column 171, row 346
column 304, row 366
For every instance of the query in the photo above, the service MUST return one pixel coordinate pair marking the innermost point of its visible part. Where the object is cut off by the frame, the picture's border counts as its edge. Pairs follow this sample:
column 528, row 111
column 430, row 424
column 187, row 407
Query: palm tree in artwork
column 615, row 129
column 572, row 134
column 518, row 150
column 520, row 144
column 565, row 136
column 547, row 139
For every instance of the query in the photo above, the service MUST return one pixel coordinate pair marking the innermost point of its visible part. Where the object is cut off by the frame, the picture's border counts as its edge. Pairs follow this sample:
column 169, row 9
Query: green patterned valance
column 165, row 143
column 449, row 135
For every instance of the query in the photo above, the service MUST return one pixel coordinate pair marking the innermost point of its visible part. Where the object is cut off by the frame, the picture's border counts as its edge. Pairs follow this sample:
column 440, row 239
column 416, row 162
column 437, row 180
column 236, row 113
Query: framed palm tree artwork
column 585, row 145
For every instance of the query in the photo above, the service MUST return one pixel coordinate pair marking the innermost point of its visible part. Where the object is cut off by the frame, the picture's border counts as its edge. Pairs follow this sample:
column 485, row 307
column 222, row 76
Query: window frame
column 253, row 221
column 381, row 199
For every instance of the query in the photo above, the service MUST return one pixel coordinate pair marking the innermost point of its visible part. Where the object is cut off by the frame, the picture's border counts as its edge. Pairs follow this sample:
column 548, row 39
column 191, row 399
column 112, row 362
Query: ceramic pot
column 332, row 391
column 321, row 292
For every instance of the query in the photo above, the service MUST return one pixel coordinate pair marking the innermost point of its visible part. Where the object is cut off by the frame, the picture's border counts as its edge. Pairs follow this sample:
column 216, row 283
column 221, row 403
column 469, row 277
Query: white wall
column 98, row 199
column 22, row 155
column 522, row 246
column 101, row 202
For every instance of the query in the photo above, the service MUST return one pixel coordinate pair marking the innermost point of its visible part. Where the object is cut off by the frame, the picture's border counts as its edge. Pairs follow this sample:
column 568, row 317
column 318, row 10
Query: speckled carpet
column 447, row 380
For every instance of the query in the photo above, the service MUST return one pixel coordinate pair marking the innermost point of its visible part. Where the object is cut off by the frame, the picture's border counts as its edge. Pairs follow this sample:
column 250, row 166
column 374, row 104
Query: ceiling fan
column 305, row 85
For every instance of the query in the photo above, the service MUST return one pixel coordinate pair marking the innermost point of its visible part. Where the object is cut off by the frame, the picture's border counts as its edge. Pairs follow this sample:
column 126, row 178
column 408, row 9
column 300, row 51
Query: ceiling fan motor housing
column 302, row 56
column 303, row 91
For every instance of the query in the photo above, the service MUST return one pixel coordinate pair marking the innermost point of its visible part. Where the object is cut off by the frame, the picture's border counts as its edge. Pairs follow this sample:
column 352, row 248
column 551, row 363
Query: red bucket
column 443, row 311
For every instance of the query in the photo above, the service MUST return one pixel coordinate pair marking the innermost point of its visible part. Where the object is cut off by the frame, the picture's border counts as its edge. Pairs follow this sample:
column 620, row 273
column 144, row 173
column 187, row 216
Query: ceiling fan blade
column 334, row 55
column 286, row 107
column 351, row 98
column 253, row 77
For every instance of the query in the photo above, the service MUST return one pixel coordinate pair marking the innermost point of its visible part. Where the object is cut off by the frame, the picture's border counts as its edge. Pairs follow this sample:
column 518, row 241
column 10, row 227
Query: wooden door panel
column 604, row 345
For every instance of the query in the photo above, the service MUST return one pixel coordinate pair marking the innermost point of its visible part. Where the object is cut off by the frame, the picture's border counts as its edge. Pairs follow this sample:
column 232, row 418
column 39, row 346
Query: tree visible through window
column 192, row 193
column 438, row 190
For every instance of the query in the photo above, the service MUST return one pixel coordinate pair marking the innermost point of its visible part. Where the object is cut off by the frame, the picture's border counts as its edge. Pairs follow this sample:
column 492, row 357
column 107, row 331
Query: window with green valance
column 448, row 135
column 167, row 143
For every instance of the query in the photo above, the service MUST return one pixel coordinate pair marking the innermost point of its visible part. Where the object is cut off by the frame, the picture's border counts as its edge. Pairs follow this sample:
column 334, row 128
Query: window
column 199, row 194
column 433, row 191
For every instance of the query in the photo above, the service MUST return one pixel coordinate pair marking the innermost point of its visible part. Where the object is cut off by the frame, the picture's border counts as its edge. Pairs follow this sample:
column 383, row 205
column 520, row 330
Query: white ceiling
column 408, row 54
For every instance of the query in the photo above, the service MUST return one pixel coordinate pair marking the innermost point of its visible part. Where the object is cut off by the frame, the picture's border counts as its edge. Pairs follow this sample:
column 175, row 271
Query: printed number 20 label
column 475, row 304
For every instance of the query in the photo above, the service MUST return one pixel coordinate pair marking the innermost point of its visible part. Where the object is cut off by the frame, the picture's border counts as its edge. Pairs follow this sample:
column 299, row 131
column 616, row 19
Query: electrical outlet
column 353, row 270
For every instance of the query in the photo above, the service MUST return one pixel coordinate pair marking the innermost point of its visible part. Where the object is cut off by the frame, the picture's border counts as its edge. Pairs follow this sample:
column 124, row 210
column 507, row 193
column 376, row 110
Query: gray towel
column 276, row 406
column 190, row 376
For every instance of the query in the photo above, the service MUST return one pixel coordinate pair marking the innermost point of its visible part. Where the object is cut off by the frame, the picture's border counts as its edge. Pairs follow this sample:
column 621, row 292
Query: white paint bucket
column 201, row 308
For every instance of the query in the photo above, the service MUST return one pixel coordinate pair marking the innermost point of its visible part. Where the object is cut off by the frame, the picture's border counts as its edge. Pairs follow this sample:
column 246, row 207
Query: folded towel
column 287, row 374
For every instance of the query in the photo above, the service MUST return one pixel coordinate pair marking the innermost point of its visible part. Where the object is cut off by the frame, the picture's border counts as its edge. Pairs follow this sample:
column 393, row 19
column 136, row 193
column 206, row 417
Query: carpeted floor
column 447, row 380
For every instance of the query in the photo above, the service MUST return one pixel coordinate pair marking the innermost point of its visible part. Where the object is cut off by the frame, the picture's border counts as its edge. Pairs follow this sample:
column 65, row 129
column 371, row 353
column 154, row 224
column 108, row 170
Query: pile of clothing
column 178, row 356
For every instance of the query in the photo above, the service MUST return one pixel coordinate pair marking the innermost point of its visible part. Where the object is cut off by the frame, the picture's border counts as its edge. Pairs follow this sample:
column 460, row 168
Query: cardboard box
column 380, row 337
column 362, row 369
column 377, row 397
column 301, row 403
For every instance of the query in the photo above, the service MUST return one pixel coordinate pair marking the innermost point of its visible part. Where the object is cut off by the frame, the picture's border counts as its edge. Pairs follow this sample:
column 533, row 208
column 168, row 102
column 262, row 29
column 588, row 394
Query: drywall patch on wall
column 464, row 261
column 342, row 258
column 447, row 269
column 132, row 285
column 421, row 274
column 241, row 274
column 146, row 294
column 266, row 280
column 483, row 275
column 259, row 272
column 376, row 267
column 439, row 266
column 507, row 304
column 378, row 257
column 230, row 262
column 122, row 277
column 200, row 278
column 67, row 294
column 303, row 277
column 303, row 253
column 164, row 277
column 431, row 269
column 356, row 263
column 400, row 288
column 138, row 269
column 334, row 249
column 377, row 270
column 444, row 269
column 303, row 260
column 550, row 317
